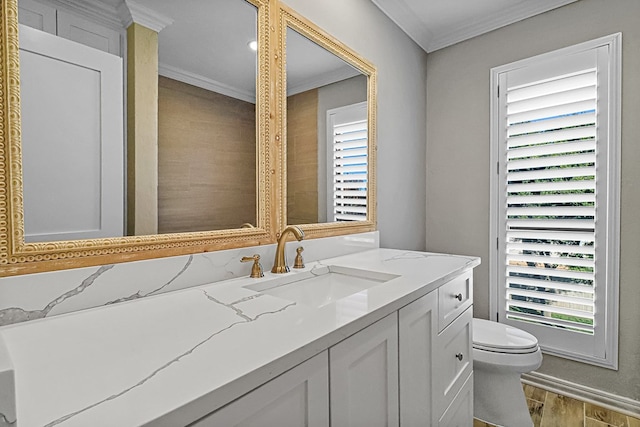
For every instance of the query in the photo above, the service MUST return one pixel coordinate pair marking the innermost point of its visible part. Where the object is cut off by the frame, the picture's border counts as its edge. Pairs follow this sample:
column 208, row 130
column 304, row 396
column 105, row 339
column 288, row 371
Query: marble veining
column 244, row 319
column 140, row 294
column 16, row 314
column 58, row 292
column 5, row 422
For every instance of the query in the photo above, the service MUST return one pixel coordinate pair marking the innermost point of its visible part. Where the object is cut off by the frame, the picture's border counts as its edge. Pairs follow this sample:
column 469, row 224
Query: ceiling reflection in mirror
column 327, row 135
column 201, row 156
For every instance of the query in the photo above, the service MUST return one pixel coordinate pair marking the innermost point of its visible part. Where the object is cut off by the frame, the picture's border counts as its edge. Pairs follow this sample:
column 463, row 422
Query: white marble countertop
column 170, row 359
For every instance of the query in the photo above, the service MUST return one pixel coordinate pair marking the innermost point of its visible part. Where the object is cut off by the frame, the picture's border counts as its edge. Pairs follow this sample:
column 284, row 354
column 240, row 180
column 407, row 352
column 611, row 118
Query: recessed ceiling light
column 253, row 45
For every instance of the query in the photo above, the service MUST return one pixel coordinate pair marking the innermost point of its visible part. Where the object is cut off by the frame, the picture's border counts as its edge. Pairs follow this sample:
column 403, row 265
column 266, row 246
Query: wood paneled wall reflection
column 206, row 159
column 302, row 158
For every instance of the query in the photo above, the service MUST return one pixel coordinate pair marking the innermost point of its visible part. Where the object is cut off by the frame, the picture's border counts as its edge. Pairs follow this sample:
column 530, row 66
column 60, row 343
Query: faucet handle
column 299, row 262
column 256, row 269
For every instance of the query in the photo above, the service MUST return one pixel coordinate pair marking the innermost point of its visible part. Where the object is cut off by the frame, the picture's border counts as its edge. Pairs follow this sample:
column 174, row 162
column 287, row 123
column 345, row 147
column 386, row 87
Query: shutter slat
column 346, row 185
column 588, row 171
column 552, row 100
column 552, row 248
column 551, row 309
column 351, row 193
column 588, row 184
column 349, row 144
column 349, row 217
column 552, row 111
column 552, row 136
column 350, row 127
column 572, row 159
column 358, row 160
column 584, row 79
column 549, row 272
column 552, row 199
column 547, row 149
column 554, row 260
column 351, row 136
column 543, row 124
column 552, row 235
column 566, row 224
column 350, row 153
column 358, row 168
column 550, row 284
column 554, row 297
column 560, row 323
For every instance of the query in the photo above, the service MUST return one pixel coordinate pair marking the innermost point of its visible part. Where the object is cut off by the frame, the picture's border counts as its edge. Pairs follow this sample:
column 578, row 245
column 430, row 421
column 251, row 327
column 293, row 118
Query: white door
column 72, row 139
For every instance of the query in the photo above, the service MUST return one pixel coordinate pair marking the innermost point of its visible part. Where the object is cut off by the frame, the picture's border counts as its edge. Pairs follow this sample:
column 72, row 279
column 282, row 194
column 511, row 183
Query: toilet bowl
column 501, row 354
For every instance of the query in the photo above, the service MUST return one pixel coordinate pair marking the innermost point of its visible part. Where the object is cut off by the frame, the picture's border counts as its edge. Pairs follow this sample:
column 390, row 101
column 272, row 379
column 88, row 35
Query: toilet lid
column 496, row 337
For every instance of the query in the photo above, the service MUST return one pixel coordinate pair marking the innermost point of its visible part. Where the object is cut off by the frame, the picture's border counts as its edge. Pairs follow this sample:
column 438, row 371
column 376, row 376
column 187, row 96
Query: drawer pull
column 459, row 356
column 458, row 297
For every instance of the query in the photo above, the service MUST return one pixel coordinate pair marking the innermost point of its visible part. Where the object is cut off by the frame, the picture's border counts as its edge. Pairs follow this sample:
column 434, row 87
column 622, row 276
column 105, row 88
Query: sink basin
column 321, row 286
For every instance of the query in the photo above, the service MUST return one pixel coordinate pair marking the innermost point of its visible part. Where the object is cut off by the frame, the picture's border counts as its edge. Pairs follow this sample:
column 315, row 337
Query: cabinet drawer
column 453, row 360
column 460, row 412
column 453, row 298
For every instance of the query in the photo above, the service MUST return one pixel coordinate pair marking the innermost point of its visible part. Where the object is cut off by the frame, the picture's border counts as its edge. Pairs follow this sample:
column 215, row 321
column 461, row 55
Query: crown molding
column 400, row 13
column 407, row 20
column 130, row 12
column 205, row 83
column 476, row 27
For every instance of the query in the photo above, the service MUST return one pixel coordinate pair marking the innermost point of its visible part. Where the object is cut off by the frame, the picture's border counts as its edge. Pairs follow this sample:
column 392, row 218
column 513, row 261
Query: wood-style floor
column 549, row 409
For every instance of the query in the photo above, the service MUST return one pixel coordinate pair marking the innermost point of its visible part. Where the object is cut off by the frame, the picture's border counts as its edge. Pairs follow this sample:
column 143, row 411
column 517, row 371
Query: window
column 348, row 147
column 555, row 147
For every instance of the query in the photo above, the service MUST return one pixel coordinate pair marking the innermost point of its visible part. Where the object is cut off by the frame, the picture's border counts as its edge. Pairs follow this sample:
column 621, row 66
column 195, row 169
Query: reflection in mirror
column 326, row 135
column 199, row 171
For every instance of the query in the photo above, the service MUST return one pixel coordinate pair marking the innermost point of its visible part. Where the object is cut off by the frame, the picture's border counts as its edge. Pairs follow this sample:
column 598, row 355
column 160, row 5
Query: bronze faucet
column 280, row 263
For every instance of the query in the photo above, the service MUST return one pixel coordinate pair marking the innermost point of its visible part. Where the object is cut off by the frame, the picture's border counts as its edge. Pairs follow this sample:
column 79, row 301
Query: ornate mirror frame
column 290, row 19
column 18, row 257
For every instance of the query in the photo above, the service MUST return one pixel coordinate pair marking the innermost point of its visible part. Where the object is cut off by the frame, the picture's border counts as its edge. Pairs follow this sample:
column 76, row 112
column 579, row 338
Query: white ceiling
column 435, row 24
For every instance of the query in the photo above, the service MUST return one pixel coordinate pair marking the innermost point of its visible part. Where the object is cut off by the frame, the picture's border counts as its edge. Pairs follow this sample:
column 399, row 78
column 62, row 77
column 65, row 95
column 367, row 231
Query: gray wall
column 458, row 167
column 401, row 68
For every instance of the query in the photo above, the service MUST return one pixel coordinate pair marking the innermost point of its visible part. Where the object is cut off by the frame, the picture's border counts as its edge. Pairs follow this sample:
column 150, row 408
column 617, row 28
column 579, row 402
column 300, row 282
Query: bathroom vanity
column 380, row 337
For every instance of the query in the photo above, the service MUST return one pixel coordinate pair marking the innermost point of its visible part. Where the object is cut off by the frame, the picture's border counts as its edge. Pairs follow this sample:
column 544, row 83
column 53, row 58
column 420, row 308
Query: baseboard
column 581, row 392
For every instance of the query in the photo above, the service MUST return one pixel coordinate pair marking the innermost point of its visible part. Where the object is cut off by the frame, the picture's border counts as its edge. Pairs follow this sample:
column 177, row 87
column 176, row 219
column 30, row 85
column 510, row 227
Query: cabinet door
column 73, row 27
column 37, row 15
column 460, row 412
column 453, row 360
column 299, row 397
column 418, row 327
column 364, row 377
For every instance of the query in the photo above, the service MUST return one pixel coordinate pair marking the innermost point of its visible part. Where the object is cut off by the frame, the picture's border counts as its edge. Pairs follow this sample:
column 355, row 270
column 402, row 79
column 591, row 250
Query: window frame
column 612, row 226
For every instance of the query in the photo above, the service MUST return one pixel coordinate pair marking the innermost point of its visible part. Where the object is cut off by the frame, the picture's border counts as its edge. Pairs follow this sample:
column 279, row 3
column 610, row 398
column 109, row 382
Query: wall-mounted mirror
column 330, row 131
column 72, row 185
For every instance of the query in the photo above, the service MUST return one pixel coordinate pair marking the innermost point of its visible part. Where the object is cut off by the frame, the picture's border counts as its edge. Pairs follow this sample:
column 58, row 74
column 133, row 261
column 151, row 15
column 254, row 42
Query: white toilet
column 501, row 354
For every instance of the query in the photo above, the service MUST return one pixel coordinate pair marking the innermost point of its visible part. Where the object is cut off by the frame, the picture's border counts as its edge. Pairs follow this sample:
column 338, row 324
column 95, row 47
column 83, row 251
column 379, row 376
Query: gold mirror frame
column 18, row 257
column 290, row 19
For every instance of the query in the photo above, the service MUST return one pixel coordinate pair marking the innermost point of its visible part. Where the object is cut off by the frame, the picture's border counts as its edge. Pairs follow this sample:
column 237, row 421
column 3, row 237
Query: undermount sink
column 321, row 286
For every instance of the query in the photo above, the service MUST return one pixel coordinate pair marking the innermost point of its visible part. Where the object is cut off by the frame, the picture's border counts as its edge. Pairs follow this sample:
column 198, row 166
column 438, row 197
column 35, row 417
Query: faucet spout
column 280, row 262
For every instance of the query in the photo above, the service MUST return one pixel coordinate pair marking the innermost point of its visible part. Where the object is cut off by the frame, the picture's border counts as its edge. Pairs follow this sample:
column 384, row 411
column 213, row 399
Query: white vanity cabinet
column 299, row 397
column 436, row 357
column 364, row 377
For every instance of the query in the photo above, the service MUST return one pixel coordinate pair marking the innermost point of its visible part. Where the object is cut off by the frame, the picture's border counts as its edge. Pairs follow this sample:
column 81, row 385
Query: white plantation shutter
column 349, row 165
column 556, row 182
